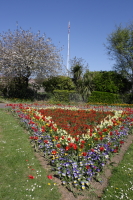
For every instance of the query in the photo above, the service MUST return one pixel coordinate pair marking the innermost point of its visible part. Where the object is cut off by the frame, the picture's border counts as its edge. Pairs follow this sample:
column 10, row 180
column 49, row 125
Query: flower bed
column 77, row 143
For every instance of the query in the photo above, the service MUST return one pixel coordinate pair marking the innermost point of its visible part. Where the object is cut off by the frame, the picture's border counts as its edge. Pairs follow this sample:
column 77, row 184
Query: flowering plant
column 78, row 143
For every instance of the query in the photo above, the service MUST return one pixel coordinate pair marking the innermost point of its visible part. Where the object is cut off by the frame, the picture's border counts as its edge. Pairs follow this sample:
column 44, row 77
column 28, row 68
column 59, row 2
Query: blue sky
column 91, row 23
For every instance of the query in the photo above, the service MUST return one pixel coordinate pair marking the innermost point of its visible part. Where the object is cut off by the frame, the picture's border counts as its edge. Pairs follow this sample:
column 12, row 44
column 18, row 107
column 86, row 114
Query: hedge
column 66, row 96
column 104, row 97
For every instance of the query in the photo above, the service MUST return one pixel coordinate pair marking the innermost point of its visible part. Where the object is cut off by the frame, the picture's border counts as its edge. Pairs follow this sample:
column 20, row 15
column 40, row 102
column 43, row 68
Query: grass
column 121, row 182
column 18, row 161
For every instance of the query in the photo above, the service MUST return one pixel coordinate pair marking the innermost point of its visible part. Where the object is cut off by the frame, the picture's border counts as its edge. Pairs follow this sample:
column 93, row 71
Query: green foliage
column 1, row 89
column 120, row 48
column 78, row 68
column 58, row 83
column 62, row 95
column 111, row 81
column 87, row 85
column 128, row 98
column 77, row 74
column 104, row 97
column 75, row 97
column 18, row 88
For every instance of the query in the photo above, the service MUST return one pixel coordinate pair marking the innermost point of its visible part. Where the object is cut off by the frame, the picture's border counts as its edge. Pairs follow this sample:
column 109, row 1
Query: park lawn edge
column 21, row 174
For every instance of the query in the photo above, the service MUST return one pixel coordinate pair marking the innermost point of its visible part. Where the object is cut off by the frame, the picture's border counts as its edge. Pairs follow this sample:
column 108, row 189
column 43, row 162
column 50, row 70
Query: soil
column 2, row 105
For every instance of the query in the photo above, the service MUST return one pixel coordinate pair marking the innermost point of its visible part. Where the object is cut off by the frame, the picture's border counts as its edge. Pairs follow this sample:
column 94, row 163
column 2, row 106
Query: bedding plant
column 76, row 142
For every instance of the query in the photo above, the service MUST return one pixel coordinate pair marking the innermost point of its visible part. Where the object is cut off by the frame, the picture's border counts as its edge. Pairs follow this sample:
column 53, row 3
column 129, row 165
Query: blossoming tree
column 24, row 54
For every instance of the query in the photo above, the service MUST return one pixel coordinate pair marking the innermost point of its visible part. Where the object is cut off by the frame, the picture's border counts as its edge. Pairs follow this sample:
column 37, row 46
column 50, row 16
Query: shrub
column 58, row 83
column 111, row 81
column 104, row 97
column 128, row 98
column 62, row 95
column 24, row 93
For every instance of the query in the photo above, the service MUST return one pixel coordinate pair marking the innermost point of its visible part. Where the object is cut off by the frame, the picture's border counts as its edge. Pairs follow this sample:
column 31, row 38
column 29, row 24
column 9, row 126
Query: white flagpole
column 68, row 53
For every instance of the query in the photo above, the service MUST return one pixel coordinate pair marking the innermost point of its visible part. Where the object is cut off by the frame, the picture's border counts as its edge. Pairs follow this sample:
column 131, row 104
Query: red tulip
column 50, row 177
column 58, row 145
column 67, row 148
column 46, row 141
column 88, row 167
column 101, row 148
column 31, row 177
column 84, row 153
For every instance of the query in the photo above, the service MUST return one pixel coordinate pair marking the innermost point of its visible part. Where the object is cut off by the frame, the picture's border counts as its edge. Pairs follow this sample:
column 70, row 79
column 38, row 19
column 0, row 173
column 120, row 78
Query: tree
column 39, row 79
column 78, row 68
column 111, row 81
column 24, row 54
column 87, row 85
column 120, row 48
column 58, row 83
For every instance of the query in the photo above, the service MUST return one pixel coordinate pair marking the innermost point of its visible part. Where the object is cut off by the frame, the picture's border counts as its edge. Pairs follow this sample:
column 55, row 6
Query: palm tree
column 87, row 85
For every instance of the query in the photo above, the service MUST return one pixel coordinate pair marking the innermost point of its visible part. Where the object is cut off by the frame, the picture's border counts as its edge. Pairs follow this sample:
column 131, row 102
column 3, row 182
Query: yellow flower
column 49, row 183
column 83, row 187
column 87, row 183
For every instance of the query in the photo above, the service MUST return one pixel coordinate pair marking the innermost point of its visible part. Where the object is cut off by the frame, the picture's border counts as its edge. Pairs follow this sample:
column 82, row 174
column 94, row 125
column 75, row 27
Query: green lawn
column 121, row 182
column 18, row 162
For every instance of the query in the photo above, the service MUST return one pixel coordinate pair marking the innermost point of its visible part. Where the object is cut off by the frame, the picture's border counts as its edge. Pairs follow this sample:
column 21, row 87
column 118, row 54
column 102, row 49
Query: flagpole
column 68, row 53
